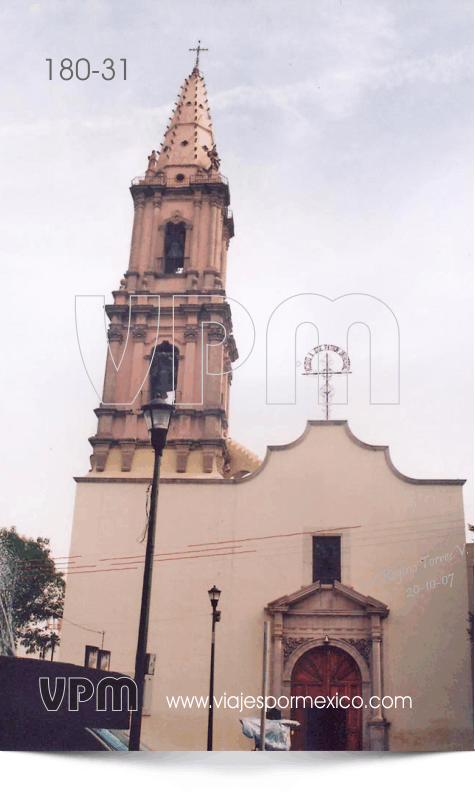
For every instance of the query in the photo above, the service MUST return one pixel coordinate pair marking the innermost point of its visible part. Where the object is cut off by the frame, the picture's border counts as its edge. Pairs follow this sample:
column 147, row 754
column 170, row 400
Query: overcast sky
column 345, row 129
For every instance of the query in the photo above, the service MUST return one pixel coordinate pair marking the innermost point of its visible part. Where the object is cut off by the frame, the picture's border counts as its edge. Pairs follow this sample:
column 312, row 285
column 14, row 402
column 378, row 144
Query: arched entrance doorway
column 326, row 671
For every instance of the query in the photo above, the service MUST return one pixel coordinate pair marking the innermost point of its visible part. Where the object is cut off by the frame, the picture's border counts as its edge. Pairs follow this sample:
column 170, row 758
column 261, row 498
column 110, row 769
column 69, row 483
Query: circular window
column 180, row 177
column 184, row 143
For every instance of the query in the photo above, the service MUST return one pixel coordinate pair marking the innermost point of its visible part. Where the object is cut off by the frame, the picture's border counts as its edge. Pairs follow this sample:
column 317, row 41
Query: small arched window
column 164, row 370
column 174, row 247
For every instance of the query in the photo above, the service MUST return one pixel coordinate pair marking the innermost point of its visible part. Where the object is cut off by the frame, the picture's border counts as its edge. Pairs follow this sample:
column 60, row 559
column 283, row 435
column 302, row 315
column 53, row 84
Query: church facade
column 359, row 570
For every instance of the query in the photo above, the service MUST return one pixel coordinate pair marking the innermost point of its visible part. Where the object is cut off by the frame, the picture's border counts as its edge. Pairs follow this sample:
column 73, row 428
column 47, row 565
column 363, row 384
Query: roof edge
column 286, row 447
column 362, row 444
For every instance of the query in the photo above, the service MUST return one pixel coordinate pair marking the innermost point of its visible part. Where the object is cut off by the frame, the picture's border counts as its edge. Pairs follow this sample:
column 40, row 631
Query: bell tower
column 180, row 335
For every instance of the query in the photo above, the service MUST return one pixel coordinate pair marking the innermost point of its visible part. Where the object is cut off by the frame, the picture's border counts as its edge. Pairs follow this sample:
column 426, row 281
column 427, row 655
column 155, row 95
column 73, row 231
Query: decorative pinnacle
column 198, row 50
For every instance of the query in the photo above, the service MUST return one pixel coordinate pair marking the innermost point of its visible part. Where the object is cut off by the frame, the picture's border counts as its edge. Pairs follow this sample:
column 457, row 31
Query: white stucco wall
column 326, row 480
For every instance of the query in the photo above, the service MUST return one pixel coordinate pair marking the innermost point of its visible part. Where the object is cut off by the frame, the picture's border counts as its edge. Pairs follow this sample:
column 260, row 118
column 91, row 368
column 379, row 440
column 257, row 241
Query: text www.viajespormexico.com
column 295, row 701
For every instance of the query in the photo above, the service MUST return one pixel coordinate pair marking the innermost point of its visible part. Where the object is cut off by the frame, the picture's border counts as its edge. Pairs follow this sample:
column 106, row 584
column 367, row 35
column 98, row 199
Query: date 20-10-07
column 413, row 591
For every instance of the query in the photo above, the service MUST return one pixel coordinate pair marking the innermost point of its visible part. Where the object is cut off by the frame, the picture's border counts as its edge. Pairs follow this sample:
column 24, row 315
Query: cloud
column 339, row 91
column 125, row 118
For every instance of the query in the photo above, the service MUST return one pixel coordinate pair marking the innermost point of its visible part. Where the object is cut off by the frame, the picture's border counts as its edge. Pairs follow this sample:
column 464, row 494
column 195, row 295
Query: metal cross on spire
column 327, row 391
column 198, row 50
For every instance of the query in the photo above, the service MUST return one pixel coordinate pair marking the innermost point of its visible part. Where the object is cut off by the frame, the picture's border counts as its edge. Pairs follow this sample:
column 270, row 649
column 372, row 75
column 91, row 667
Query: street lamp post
column 157, row 416
column 214, row 594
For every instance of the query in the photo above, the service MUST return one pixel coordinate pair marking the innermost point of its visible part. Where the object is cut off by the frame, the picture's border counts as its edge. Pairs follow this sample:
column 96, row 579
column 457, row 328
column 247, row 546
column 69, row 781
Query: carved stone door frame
column 331, row 614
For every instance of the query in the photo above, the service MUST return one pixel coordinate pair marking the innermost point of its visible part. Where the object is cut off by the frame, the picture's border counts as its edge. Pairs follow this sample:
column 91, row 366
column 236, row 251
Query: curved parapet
column 244, row 463
column 357, row 441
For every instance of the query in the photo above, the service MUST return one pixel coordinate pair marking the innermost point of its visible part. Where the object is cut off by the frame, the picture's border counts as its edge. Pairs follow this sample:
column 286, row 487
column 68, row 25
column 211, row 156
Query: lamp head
column 214, row 594
column 157, row 416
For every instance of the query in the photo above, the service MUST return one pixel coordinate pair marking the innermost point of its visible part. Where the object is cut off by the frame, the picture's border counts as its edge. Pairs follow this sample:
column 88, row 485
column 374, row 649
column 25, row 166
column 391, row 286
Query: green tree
column 31, row 590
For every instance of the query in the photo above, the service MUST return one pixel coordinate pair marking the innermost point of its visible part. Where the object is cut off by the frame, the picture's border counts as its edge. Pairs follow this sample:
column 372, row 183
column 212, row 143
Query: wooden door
column 325, row 672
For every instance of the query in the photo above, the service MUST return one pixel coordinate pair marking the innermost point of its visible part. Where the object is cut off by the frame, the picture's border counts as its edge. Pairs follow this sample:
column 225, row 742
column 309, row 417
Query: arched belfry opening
column 164, row 370
column 175, row 235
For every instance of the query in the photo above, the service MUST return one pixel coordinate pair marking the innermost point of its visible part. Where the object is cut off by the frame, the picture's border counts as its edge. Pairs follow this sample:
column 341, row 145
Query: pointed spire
column 189, row 139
